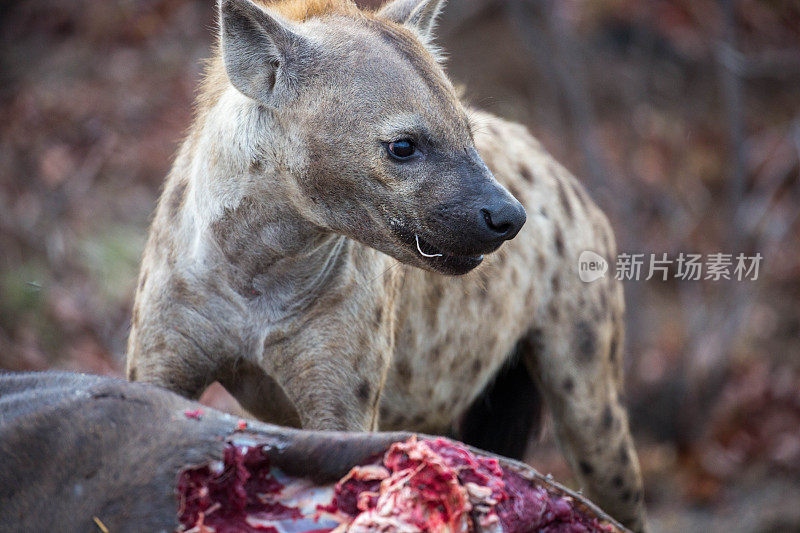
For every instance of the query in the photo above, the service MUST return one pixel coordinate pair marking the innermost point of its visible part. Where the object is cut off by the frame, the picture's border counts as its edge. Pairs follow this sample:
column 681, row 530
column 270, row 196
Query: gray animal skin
column 74, row 447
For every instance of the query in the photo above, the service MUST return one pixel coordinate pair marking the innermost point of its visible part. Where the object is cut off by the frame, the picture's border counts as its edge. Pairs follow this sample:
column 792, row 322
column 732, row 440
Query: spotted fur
column 281, row 259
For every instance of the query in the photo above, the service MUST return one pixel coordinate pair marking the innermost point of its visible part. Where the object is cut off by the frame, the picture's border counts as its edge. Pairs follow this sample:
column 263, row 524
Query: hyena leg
column 332, row 386
column 578, row 382
column 333, row 369
column 172, row 361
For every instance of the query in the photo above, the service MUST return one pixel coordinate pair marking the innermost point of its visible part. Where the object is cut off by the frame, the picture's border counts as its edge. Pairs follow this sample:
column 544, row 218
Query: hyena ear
column 419, row 15
column 263, row 56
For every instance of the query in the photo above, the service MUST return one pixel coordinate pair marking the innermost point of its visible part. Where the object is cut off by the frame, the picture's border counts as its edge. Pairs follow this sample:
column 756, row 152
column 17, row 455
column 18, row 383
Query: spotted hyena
column 328, row 247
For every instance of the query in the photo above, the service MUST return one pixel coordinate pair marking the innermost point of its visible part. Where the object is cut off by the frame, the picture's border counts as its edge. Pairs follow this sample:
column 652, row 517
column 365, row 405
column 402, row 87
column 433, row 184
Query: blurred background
column 682, row 117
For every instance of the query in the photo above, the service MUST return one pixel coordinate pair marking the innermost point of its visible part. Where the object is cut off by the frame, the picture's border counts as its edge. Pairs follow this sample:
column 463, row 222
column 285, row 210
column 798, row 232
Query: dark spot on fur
column 624, row 457
column 545, row 213
column 176, row 198
column 513, row 190
column 364, row 390
column 555, row 282
column 404, row 370
column 586, row 468
column 132, row 374
column 433, row 303
column 558, row 241
column 483, row 278
column 378, row 315
column 580, row 193
column 608, row 418
column 483, row 290
column 525, row 172
column 358, row 361
column 626, row 495
column 617, row 481
column 533, row 342
column 180, row 289
column 554, row 311
column 436, row 292
column 340, row 411
column 171, row 254
column 637, row 496
column 614, row 347
column 256, row 166
column 135, row 316
column 585, row 341
column 569, row 385
column 364, row 341
column 142, row 279
column 476, row 367
column 541, row 261
column 562, row 198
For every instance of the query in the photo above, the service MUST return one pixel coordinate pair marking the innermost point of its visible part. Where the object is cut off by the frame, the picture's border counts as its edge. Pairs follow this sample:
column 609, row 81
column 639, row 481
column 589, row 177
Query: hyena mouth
column 437, row 258
column 423, row 254
column 440, row 260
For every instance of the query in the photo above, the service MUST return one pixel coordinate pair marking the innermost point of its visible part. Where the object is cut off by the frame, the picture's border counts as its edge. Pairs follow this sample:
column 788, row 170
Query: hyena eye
column 402, row 149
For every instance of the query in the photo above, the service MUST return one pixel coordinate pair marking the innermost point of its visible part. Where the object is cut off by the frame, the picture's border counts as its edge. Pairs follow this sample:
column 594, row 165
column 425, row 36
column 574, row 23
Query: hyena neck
column 242, row 208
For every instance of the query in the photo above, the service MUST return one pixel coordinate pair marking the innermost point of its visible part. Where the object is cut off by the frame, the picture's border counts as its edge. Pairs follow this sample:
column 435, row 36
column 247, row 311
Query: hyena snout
column 493, row 216
column 489, row 214
column 501, row 218
column 477, row 221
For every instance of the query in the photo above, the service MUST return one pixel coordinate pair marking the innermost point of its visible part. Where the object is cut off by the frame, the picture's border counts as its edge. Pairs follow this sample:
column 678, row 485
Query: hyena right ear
column 263, row 56
column 419, row 15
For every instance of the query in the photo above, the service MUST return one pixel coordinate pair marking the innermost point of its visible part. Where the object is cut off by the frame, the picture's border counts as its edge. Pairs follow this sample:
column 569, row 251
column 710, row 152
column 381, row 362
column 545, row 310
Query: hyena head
column 388, row 153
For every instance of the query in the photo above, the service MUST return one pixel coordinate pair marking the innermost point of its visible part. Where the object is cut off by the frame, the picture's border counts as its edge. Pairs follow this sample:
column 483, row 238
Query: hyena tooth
column 419, row 249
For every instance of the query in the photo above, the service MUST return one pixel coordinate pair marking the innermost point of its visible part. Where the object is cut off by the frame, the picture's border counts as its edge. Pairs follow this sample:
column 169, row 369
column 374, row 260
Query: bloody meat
column 420, row 485
column 419, row 492
column 233, row 496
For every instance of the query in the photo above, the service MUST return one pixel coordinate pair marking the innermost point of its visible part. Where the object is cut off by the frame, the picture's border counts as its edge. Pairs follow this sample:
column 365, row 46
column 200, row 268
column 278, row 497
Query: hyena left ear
column 419, row 15
column 263, row 55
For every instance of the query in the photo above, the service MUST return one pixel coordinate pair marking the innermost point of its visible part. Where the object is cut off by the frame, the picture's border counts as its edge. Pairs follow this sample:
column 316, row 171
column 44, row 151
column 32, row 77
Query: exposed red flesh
column 514, row 502
column 224, row 498
column 435, row 486
column 195, row 414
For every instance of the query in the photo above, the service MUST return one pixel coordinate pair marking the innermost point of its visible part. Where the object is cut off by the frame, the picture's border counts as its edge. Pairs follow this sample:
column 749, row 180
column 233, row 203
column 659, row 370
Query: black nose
column 503, row 220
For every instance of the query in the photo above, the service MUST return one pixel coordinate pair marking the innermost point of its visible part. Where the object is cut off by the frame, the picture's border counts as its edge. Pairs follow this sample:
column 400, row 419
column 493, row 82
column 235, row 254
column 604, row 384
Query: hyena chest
column 446, row 352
